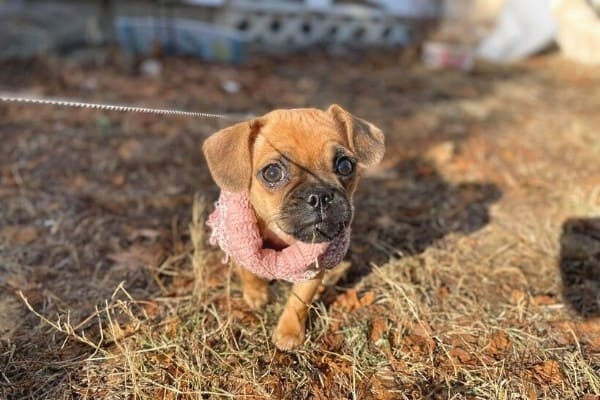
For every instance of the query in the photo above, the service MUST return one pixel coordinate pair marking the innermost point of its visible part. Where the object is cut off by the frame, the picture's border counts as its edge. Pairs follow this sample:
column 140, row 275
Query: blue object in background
column 139, row 35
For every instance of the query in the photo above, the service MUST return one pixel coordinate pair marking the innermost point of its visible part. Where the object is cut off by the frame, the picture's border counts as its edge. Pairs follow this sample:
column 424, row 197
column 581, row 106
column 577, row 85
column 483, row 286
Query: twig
column 67, row 329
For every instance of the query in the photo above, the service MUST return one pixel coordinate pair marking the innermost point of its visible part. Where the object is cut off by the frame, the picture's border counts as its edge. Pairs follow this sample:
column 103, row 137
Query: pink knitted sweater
column 235, row 231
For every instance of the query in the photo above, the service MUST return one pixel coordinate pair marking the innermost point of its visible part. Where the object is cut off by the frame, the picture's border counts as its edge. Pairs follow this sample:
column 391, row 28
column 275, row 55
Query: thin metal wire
column 118, row 107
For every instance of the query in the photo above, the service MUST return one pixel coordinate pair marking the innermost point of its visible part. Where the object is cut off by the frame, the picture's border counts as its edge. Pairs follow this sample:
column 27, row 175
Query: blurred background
column 452, row 33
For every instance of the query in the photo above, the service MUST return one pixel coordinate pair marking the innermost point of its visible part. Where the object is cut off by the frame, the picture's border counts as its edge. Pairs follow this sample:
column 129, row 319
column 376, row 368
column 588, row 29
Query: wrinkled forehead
column 306, row 135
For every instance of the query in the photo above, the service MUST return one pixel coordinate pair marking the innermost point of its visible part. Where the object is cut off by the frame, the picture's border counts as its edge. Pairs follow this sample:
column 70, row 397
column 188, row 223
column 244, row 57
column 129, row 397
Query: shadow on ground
column 580, row 265
column 409, row 208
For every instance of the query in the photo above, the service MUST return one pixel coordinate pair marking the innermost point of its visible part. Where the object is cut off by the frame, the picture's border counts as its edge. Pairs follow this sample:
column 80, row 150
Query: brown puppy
column 301, row 168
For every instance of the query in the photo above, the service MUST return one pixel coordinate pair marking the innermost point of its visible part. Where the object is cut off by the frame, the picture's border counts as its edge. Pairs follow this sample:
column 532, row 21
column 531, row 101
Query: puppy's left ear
column 228, row 155
column 365, row 139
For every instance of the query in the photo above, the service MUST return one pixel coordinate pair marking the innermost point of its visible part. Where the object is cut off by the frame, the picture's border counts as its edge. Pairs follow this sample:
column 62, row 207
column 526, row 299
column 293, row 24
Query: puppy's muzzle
column 316, row 213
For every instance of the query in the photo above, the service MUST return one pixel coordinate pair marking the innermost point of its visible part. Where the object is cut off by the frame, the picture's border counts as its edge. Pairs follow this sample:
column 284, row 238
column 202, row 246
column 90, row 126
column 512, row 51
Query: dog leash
column 119, row 107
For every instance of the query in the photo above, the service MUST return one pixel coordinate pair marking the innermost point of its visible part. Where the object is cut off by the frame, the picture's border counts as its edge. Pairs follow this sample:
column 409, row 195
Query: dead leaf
column 130, row 149
column 498, row 344
column 20, row 235
column 564, row 332
column 544, row 300
column 531, row 392
column 443, row 292
column 241, row 312
column 589, row 327
column 461, row 339
column 367, row 299
column 440, row 154
column 590, row 333
column 151, row 308
column 590, row 396
column 122, row 326
column 139, row 256
column 170, row 325
column 347, row 301
column 420, row 337
column 180, row 285
column 548, row 372
column 517, row 296
column 78, row 182
column 7, row 178
column 382, row 385
column 425, row 170
column 378, row 329
column 399, row 366
column 460, row 355
column 117, row 180
column 333, row 342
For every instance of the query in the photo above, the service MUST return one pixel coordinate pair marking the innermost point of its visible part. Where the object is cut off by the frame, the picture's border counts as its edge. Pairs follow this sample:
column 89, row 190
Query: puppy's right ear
column 365, row 139
column 228, row 155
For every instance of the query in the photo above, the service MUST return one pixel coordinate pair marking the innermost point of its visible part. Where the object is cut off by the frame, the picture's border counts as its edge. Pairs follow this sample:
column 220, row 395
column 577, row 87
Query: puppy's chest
column 271, row 239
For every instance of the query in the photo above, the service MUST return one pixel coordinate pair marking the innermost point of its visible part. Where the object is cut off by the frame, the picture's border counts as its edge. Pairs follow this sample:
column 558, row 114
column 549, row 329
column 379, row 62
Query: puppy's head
column 301, row 168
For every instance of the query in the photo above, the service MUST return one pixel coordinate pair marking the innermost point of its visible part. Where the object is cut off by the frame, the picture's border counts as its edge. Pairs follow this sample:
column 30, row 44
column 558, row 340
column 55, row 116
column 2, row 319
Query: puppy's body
column 301, row 168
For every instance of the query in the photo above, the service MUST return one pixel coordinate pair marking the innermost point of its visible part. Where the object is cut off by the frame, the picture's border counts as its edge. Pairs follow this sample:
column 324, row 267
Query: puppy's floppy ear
column 365, row 139
column 228, row 155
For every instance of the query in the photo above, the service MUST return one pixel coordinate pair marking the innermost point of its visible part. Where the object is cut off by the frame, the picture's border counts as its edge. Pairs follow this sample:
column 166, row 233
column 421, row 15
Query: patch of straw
column 199, row 253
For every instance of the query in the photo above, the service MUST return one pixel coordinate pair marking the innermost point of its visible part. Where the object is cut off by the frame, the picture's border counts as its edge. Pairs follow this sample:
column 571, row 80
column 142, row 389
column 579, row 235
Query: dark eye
column 273, row 173
column 344, row 166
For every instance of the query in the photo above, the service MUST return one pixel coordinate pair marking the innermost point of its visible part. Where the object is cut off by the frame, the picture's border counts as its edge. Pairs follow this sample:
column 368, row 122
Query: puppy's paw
column 289, row 332
column 256, row 298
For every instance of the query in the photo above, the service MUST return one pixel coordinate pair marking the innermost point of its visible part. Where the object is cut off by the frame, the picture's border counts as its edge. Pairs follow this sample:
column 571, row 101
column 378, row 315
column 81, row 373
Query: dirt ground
column 474, row 269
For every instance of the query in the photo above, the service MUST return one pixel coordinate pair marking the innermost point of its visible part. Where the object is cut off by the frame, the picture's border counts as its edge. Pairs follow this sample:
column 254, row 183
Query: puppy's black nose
column 319, row 198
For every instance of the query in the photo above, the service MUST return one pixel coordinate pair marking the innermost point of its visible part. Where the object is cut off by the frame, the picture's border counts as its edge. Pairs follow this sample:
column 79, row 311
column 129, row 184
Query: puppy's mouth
column 318, row 232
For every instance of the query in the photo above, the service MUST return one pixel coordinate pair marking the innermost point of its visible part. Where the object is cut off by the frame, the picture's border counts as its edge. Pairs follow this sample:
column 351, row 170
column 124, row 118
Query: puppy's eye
column 344, row 166
column 273, row 173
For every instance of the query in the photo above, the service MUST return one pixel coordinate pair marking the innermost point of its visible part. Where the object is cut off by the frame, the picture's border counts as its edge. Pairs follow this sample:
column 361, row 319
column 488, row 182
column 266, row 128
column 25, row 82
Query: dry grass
column 474, row 267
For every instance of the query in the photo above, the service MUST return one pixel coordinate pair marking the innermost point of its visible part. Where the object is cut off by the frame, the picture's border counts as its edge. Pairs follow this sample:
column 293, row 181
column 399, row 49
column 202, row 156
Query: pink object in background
column 448, row 55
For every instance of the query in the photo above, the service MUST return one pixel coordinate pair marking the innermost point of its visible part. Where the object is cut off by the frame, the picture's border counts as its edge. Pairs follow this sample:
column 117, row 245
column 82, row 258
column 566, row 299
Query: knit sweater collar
column 235, row 231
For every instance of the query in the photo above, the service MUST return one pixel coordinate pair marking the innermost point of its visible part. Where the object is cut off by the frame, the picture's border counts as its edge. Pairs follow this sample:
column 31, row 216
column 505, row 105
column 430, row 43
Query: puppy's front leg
column 255, row 290
column 289, row 332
